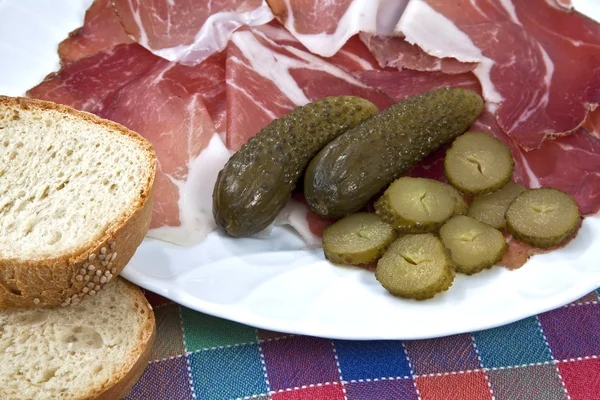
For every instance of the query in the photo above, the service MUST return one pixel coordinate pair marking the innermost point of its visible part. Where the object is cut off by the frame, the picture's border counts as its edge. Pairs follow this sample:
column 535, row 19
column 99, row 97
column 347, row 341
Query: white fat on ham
column 187, row 31
column 214, row 35
column 415, row 24
column 195, row 196
column 273, row 66
column 295, row 215
column 374, row 16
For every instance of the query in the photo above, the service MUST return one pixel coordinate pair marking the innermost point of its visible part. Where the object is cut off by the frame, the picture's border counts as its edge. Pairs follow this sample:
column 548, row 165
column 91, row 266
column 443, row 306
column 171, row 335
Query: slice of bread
column 76, row 197
column 97, row 349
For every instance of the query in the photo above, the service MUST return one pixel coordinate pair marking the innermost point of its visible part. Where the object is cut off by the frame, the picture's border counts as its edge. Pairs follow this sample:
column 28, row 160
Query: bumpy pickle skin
column 415, row 267
column 357, row 239
column 257, row 181
column 543, row 217
column 417, row 205
column 359, row 164
column 478, row 163
column 490, row 208
column 473, row 245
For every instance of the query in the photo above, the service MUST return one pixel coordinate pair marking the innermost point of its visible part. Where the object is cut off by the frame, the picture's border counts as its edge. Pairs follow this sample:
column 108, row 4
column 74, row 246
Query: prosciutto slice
column 395, row 52
column 540, row 64
column 324, row 26
column 166, row 103
column 185, row 30
column 101, row 31
column 267, row 77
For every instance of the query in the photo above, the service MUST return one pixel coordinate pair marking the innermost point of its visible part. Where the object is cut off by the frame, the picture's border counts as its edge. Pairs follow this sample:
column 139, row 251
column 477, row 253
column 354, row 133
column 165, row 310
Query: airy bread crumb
column 77, row 352
column 63, row 181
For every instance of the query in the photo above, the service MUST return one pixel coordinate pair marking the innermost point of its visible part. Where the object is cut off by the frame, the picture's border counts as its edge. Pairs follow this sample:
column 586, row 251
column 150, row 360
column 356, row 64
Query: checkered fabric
column 555, row 355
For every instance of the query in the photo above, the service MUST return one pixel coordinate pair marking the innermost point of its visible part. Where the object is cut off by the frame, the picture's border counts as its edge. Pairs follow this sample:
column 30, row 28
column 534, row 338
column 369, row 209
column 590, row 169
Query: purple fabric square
column 298, row 361
column 382, row 390
column 161, row 380
column 449, row 354
column 573, row 331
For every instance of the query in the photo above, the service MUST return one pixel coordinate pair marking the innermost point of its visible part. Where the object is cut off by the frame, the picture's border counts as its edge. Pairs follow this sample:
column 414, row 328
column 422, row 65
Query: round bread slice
column 76, row 197
column 97, row 349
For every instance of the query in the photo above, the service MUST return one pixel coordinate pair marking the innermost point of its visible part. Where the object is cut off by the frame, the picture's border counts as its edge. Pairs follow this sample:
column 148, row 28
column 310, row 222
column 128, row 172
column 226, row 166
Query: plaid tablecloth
column 555, row 355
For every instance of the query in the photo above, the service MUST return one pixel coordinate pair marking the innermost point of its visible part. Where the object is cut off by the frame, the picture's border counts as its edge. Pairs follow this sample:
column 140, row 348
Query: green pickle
column 416, row 267
column 473, row 245
column 357, row 239
column 257, row 181
column 543, row 217
column 360, row 163
column 414, row 205
column 478, row 163
column 490, row 208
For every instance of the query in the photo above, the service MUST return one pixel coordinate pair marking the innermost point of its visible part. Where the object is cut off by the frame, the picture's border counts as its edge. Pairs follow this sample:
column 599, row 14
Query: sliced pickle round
column 415, row 267
column 478, row 163
column 473, row 245
column 416, row 205
column 543, row 217
column 357, row 239
column 490, row 208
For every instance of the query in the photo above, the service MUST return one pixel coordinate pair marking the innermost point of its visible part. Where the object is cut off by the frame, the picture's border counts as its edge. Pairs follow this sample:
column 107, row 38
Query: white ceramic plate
column 271, row 282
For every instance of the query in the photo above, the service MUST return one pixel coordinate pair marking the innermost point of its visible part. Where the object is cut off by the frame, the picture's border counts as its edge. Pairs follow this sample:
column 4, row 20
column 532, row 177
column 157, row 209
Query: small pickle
column 415, row 205
column 356, row 166
column 490, row 208
column 357, row 239
column 415, row 267
column 543, row 217
column 257, row 181
column 473, row 245
column 478, row 163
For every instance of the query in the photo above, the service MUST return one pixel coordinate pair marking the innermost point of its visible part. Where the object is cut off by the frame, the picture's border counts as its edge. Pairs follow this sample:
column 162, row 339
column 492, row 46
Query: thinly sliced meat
column 395, row 52
column 266, row 80
column 101, row 31
column 164, row 102
column 324, row 26
column 89, row 83
column 401, row 84
column 188, row 31
column 538, row 62
column 353, row 56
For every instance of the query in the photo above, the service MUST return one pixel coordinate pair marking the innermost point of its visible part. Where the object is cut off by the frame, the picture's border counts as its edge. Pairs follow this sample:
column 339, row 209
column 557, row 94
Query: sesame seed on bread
column 76, row 202
column 96, row 349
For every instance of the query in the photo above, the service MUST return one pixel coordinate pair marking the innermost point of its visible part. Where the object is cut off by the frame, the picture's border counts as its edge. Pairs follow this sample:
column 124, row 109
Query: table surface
column 555, row 355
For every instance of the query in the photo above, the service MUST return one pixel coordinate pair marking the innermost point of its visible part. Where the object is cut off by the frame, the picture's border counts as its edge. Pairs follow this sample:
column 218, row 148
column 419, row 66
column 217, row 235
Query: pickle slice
column 416, row 205
column 490, row 208
column 543, row 217
column 357, row 239
column 478, row 163
column 460, row 205
column 415, row 267
column 473, row 245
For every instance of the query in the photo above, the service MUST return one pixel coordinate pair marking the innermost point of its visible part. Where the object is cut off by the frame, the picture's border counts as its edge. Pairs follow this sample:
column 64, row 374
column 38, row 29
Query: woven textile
column 555, row 355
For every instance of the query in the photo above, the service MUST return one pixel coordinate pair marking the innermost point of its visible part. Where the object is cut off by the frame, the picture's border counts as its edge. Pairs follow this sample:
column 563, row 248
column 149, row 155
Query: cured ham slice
column 540, row 64
column 168, row 103
column 324, row 26
column 101, row 31
column 266, row 80
column 395, row 52
column 185, row 30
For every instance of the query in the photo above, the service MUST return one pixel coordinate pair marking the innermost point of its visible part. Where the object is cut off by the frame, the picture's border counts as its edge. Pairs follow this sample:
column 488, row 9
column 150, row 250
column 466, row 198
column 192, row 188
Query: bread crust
column 70, row 278
column 123, row 383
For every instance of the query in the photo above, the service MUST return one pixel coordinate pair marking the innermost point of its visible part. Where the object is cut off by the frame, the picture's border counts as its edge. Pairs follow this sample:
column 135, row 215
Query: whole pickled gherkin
column 359, row 164
column 257, row 181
